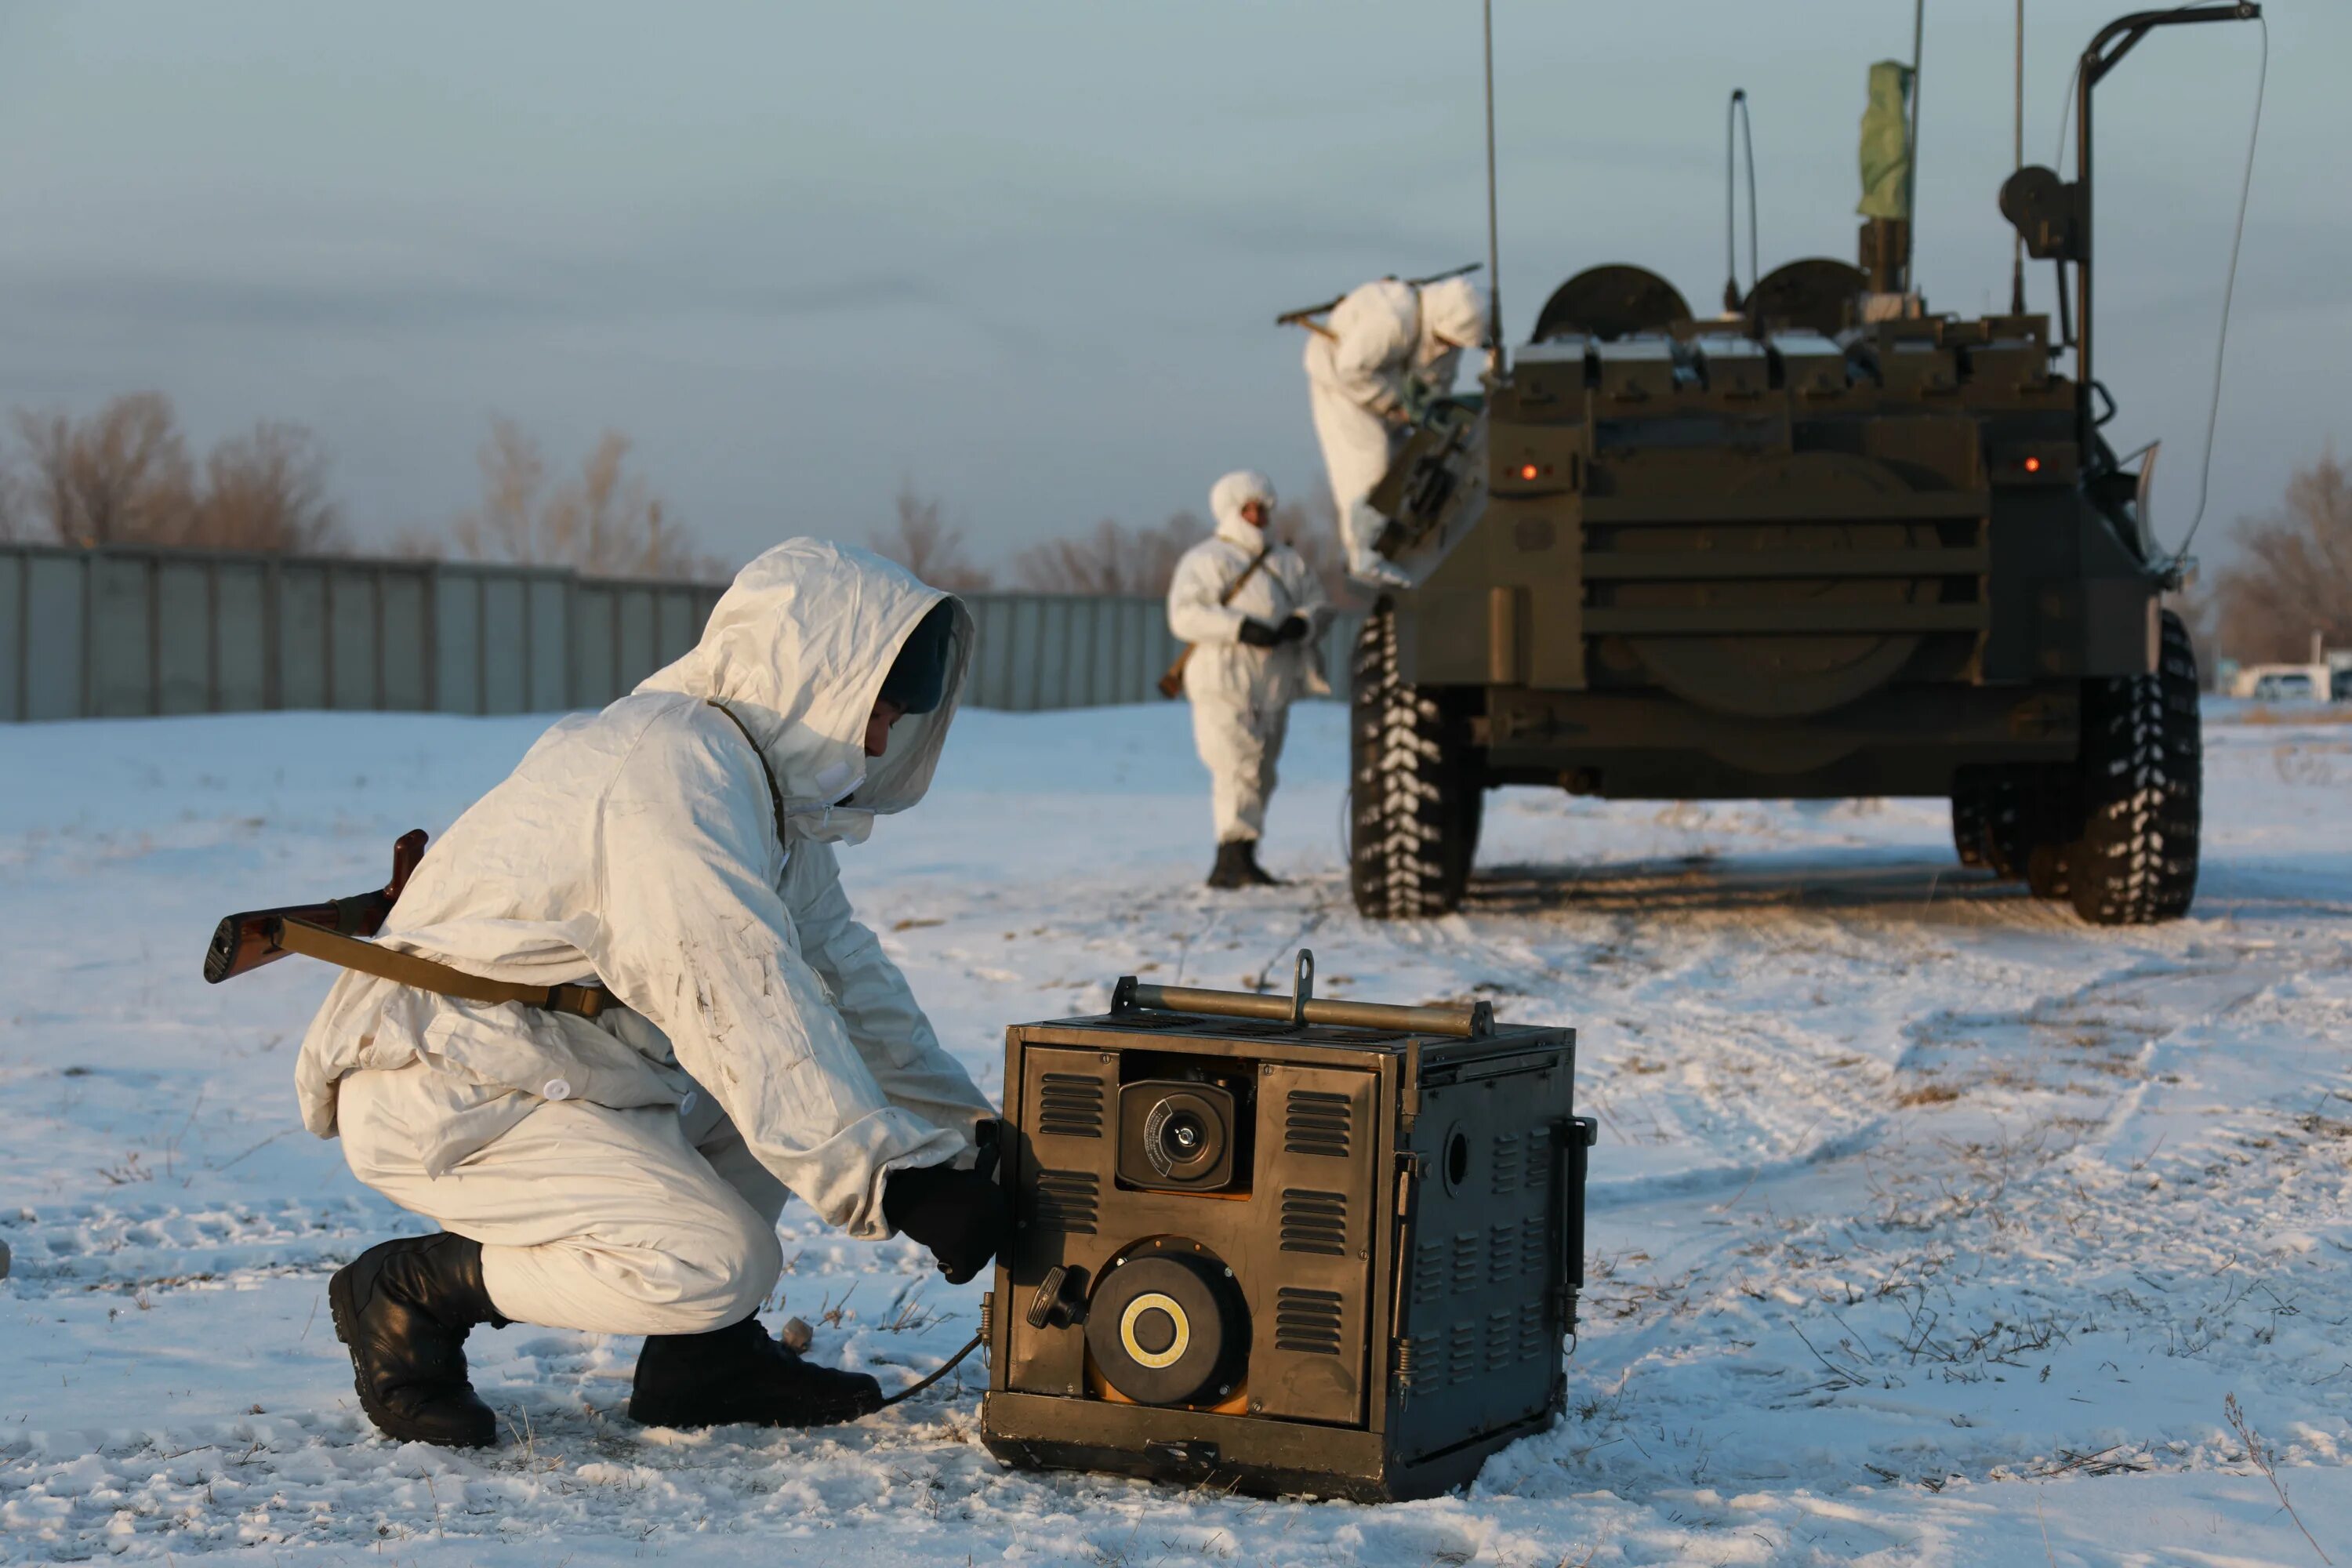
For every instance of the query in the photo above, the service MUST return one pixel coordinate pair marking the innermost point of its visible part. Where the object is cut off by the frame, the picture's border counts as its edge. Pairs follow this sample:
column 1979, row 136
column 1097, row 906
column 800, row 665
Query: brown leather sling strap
column 1172, row 682
column 775, row 796
column 428, row 974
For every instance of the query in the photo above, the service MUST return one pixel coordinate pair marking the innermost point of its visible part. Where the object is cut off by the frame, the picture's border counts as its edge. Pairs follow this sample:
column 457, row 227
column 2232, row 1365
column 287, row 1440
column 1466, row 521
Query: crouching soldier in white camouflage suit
column 624, row 1175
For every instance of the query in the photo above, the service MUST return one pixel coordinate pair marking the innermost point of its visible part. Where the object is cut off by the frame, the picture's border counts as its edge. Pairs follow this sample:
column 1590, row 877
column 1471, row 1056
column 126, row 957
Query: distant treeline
column 1109, row 558
column 125, row 475
column 2292, row 575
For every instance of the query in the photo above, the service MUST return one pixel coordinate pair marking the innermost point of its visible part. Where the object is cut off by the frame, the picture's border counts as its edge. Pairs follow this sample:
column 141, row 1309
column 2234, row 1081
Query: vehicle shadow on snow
column 1925, row 886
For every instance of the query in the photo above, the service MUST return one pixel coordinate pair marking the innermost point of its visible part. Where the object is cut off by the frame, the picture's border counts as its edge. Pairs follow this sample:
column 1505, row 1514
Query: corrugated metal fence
column 123, row 632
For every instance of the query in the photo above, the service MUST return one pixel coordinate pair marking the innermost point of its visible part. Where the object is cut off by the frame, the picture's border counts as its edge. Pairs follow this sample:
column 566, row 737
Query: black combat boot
column 403, row 1308
column 1252, row 874
column 1233, row 866
column 738, row 1375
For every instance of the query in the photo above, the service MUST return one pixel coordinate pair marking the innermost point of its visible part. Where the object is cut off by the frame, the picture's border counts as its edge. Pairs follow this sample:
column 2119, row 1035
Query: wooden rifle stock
column 242, row 943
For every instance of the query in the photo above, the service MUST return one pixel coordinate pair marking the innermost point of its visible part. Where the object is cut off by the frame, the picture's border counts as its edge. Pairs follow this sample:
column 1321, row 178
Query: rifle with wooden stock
column 1305, row 315
column 336, row 931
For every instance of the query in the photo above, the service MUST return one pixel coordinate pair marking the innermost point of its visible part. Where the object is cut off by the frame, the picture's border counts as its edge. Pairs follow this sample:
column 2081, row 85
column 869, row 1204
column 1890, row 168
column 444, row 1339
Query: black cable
column 2065, row 114
column 1731, row 199
column 1747, row 135
column 2230, row 283
column 2229, row 292
column 945, row 1367
column 1735, row 121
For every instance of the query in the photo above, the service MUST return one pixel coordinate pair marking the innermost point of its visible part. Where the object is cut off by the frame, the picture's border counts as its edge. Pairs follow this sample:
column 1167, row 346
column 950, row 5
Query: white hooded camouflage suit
column 1241, row 695
column 1381, row 336
column 624, row 1175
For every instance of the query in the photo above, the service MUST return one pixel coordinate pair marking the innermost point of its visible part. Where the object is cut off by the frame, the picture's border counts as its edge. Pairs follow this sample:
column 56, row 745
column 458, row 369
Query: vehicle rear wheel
column 2142, row 779
column 2049, row 870
column 2030, row 822
column 1969, row 821
column 1417, row 787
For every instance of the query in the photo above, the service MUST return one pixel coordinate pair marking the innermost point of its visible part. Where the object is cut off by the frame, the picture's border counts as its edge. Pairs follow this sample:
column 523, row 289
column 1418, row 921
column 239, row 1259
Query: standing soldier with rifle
column 1251, row 610
column 1385, row 350
column 622, row 1009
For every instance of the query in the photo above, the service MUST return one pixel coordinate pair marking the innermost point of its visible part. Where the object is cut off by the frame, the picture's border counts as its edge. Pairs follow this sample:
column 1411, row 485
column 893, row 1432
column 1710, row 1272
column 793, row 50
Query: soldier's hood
column 1454, row 313
column 1234, row 491
column 797, row 649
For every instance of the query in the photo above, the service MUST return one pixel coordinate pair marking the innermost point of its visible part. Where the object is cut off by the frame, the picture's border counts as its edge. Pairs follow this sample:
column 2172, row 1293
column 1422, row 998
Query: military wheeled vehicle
column 1827, row 545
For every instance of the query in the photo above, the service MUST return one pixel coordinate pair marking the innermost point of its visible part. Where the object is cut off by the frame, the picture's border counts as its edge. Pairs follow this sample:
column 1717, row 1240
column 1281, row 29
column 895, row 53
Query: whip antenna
column 1494, row 243
column 1911, row 185
column 2017, row 256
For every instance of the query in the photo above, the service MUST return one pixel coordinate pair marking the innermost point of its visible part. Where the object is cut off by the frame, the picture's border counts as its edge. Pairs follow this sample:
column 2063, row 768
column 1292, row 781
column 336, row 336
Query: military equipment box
column 1284, row 1246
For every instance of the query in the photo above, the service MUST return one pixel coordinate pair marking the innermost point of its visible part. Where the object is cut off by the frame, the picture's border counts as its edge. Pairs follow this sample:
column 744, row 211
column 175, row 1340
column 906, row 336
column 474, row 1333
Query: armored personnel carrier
column 1826, row 545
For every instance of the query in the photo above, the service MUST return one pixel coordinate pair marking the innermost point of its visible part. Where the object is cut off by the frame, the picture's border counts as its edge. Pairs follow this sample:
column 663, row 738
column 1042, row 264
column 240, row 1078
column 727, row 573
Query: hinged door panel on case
column 1066, row 1155
column 1318, row 1137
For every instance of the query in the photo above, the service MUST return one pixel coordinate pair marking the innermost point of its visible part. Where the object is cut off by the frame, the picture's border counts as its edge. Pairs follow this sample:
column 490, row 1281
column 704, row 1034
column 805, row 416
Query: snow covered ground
column 1928, row 1225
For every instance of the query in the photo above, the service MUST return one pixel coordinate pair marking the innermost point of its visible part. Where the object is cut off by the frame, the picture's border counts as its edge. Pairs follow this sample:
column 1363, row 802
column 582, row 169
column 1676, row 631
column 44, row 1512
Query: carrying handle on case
column 1575, row 1134
column 1464, row 1021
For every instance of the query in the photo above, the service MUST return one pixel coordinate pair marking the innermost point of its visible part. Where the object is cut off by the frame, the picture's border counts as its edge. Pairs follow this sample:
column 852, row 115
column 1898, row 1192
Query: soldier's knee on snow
column 726, row 1267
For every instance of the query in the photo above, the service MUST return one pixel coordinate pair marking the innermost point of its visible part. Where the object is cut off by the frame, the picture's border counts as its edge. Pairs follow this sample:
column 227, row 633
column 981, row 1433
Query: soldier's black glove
column 959, row 1215
column 1257, row 634
column 1294, row 629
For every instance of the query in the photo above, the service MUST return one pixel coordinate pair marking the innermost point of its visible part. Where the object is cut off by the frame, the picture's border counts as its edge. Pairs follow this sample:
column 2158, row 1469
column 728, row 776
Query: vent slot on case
column 1505, row 1163
column 1308, row 1320
column 1070, row 1105
column 1315, row 1122
column 1314, row 1222
column 1536, row 1336
column 1065, row 1201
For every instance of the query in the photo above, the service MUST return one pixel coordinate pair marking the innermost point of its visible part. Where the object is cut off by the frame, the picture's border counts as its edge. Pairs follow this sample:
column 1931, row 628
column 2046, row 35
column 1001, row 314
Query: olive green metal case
column 1375, row 1298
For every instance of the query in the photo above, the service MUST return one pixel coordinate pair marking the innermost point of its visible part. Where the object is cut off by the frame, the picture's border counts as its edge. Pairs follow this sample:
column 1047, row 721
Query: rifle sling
column 426, row 974
column 1176, row 670
column 1234, row 587
column 775, row 796
column 1248, row 572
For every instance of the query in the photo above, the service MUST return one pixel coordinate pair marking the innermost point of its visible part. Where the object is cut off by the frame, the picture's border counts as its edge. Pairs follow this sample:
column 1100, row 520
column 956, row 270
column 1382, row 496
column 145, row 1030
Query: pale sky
column 1026, row 257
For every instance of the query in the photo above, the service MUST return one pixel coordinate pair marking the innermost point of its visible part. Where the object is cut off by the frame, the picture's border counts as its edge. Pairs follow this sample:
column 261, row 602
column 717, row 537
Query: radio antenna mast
column 2017, row 256
column 1911, row 185
column 1494, row 243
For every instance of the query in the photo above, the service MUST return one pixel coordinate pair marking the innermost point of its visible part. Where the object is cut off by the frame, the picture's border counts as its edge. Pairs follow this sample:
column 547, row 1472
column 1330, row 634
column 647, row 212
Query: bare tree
column 2294, row 577
column 119, row 477
column 506, row 525
column 920, row 540
column 605, row 523
column 1112, row 559
column 267, row 490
